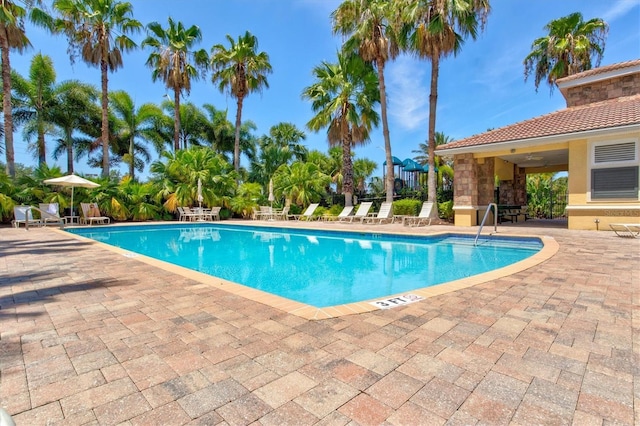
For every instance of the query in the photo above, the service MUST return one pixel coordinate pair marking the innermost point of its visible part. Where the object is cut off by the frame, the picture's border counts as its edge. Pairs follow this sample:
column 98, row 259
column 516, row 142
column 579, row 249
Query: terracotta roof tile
column 600, row 70
column 617, row 112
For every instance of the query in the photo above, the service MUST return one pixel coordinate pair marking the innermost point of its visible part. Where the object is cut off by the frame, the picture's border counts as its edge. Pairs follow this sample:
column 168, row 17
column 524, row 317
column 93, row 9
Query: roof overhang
column 442, row 150
column 580, row 81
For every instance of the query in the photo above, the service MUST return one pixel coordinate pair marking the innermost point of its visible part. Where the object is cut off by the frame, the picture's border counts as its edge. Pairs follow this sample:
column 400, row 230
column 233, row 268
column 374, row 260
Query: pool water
column 318, row 268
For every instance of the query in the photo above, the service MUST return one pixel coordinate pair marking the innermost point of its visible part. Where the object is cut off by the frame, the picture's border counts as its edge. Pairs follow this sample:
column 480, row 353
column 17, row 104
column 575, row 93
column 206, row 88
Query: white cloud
column 408, row 96
column 618, row 9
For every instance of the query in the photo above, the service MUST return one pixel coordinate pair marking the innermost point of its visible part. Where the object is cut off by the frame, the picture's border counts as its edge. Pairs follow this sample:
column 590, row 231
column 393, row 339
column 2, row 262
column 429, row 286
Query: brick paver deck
column 88, row 336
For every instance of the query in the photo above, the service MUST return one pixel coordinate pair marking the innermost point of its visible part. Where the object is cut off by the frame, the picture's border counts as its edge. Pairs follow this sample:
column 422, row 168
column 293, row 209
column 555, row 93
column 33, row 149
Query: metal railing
column 486, row 214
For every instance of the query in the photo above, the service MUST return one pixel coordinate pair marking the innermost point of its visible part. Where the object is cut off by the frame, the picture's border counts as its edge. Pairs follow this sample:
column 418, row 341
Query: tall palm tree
column 133, row 125
column 13, row 37
column 34, row 98
column 97, row 31
column 344, row 96
column 443, row 168
column 572, row 46
column 77, row 102
column 366, row 24
column 239, row 70
column 437, row 29
column 174, row 62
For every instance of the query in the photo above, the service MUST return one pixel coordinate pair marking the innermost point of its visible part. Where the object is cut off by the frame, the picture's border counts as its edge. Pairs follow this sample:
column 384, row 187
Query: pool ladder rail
column 484, row 219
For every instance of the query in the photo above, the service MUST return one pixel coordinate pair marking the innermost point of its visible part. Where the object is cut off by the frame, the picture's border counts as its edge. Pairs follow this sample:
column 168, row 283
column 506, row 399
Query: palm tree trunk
column 42, row 150
column 6, row 102
column 347, row 171
column 131, row 160
column 385, row 131
column 105, row 118
column 176, row 120
column 433, row 100
column 236, row 146
column 69, row 141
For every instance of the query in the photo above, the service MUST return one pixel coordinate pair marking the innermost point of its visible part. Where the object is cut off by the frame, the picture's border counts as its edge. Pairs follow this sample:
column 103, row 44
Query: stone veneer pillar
column 465, row 190
column 520, row 186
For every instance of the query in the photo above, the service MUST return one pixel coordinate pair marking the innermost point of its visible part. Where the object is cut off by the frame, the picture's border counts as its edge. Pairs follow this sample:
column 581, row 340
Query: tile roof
column 600, row 70
column 623, row 111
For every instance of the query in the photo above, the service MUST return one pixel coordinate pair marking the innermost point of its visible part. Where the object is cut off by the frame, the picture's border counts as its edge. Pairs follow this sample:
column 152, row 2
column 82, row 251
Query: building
column 595, row 139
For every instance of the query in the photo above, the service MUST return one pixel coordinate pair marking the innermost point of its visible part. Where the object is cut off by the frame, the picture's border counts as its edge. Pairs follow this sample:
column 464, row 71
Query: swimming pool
column 320, row 268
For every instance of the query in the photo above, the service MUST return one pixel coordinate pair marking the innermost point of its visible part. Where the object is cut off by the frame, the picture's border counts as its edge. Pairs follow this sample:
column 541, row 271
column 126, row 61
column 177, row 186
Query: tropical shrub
column 407, row 207
column 445, row 210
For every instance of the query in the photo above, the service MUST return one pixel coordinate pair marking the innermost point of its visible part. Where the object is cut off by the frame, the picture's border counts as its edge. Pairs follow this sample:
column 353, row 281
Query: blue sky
column 483, row 87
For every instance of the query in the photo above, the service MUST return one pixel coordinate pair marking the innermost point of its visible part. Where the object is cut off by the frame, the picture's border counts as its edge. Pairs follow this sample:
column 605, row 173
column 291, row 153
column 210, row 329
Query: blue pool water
column 318, row 268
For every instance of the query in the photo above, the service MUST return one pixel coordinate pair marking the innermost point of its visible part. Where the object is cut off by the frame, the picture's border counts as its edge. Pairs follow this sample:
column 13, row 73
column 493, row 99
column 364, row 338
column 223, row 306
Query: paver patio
column 88, row 336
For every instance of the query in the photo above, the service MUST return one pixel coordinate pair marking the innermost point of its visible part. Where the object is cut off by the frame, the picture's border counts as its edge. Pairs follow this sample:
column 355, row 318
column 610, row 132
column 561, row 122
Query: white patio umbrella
column 72, row 181
column 200, row 194
column 271, row 197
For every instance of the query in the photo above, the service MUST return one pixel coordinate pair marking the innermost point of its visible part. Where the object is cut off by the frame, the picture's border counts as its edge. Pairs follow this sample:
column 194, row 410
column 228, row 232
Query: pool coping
column 549, row 249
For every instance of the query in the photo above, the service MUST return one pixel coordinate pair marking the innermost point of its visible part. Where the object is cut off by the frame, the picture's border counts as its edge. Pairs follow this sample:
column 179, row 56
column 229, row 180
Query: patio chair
column 423, row 218
column 385, row 214
column 307, row 215
column 23, row 215
column 214, row 213
column 346, row 212
column 91, row 213
column 281, row 214
column 361, row 213
column 628, row 230
column 49, row 214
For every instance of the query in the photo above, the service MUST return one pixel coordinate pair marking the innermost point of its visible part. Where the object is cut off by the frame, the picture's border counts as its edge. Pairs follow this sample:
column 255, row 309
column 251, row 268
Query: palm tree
column 437, row 29
column 174, row 62
column 76, row 103
column 300, row 183
column 572, row 46
column 35, row 97
column 344, row 96
column 365, row 23
column 133, row 124
column 13, row 37
column 443, row 168
column 97, row 31
column 239, row 70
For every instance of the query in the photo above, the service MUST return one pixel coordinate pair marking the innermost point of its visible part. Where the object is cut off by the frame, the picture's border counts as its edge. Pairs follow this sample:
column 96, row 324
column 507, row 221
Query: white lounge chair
column 628, row 230
column 50, row 213
column 307, row 215
column 361, row 213
column 88, row 218
column 346, row 212
column 23, row 215
column 423, row 218
column 385, row 214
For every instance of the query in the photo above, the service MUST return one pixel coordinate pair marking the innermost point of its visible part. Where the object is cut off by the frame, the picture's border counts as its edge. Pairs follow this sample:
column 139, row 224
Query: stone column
column 465, row 190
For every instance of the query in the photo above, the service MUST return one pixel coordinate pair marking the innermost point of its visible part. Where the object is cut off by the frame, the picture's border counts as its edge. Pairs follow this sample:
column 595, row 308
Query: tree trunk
column 131, row 160
column 176, row 120
column 42, row 149
column 236, row 146
column 6, row 103
column 347, row 171
column 431, row 161
column 69, row 142
column 385, row 132
column 105, row 118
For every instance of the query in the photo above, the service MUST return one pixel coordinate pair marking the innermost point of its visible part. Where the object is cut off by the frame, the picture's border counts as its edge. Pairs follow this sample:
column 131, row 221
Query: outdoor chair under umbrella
column 72, row 181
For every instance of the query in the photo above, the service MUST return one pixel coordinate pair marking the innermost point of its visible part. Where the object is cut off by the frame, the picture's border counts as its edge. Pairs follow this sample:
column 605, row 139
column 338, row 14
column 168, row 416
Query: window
column 614, row 171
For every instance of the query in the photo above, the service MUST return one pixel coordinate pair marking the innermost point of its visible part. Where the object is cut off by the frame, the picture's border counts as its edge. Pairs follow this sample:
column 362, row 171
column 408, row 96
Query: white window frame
column 611, row 165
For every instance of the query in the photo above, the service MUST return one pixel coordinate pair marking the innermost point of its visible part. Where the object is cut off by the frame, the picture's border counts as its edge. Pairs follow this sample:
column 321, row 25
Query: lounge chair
column 346, row 212
column 361, row 213
column 423, row 218
column 50, row 213
column 385, row 214
column 23, row 215
column 628, row 230
column 89, row 217
column 307, row 215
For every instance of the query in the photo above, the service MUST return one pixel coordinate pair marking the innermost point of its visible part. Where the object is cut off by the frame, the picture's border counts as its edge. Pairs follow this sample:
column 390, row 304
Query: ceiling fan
column 531, row 157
